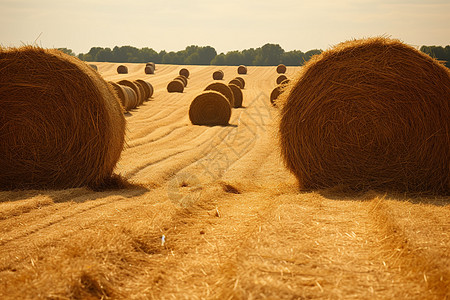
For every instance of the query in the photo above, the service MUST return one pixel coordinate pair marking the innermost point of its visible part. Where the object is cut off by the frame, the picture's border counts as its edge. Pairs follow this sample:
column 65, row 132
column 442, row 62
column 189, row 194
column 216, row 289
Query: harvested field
column 214, row 214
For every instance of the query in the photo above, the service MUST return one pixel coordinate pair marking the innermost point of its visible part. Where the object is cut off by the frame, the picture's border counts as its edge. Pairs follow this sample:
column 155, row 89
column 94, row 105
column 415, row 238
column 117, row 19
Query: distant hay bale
column 223, row 89
column 241, row 80
column 218, row 75
column 285, row 82
column 210, row 108
column 121, row 94
column 61, row 123
column 369, row 114
column 122, row 69
column 237, row 94
column 276, row 92
column 152, row 64
column 175, row 86
column 236, row 82
column 242, row 70
column 281, row 69
column 182, row 78
column 148, row 87
column 93, row 67
column 184, row 72
column 281, row 78
column 135, row 88
column 149, row 70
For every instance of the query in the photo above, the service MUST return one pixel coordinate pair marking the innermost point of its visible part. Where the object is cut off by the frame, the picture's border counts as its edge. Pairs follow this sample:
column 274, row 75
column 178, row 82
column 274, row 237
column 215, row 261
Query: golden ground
column 215, row 215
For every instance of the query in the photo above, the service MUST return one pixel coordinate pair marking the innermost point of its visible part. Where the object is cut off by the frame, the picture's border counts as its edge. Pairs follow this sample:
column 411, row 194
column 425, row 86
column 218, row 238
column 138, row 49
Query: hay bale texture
column 184, row 72
column 210, row 108
column 148, row 88
column 242, row 70
column 121, row 94
column 241, row 80
column 182, row 78
column 122, row 69
column 223, row 89
column 61, row 124
column 149, row 70
column 276, row 92
column 218, row 75
column 175, row 86
column 236, row 82
column 135, row 88
column 237, row 95
column 281, row 78
column 281, row 69
column 369, row 114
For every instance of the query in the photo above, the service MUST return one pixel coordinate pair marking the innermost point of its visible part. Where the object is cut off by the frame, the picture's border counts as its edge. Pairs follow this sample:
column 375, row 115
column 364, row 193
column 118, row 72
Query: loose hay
column 218, row 75
column 210, row 108
column 223, row 89
column 61, row 124
column 122, row 69
column 281, row 69
column 237, row 94
column 184, row 72
column 182, row 78
column 241, row 80
column 242, row 70
column 135, row 88
column 236, row 82
column 175, row 86
column 148, row 88
column 281, row 78
column 369, row 114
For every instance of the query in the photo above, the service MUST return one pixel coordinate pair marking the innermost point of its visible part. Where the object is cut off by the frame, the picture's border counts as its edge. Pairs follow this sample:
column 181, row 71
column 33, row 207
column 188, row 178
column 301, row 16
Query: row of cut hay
column 62, row 127
column 369, row 114
column 142, row 91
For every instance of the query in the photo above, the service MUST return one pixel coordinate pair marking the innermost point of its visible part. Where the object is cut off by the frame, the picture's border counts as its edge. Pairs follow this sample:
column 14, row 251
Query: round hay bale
column 135, row 88
column 281, row 69
column 93, row 67
column 241, row 80
column 149, row 70
column 210, row 108
column 61, row 123
column 242, row 70
column 121, row 94
column 175, row 86
column 281, row 78
column 122, row 69
column 223, row 89
column 236, row 82
column 152, row 64
column 148, row 87
column 184, row 72
column 132, row 97
column 218, row 75
column 142, row 91
column 369, row 114
column 182, row 78
column 276, row 92
column 285, row 82
column 237, row 95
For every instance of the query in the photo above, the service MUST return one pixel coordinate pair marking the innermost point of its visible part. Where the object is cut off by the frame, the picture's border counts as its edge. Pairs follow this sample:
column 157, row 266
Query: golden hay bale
column 151, row 64
column 184, row 72
column 149, row 70
column 135, row 88
column 121, row 94
column 241, row 80
column 242, row 70
column 132, row 97
column 122, row 69
column 236, row 82
column 285, row 82
column 218, row 75
column 175, row 86
column 223, row 89
column 281, row 69
column 210, row 108
column 281, row 78
column 182, row 78
column 276, row 92
column 148, row 87
column 61, row 124
column 142, row 91
column 237, row 95
column 369, row 114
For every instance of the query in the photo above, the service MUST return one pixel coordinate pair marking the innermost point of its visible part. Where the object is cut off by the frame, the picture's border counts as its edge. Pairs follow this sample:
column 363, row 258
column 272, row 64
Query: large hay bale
column 182, row 78
column 281, row 69
column 210, row 108
column 122, row 69
column 223, row 89
column 149, row 70
column 135, row 88
column 281, row 78
column 218, row 75
column 236, row 82
column 184, row 72
column 121, row 94
column 242, row 70
column 241, row 80
column 148, row 87
column 237, row 95
column 369, row 114
column 61, row 124
column 175, row 86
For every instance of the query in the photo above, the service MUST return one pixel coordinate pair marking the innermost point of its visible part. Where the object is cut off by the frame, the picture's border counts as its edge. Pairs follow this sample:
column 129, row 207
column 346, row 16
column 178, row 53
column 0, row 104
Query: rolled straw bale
column 152, row 64
column 122, row 69
column 210, row 108
column 281, row 78
column 276, row 92
column 369, row 114
column 182, row 78
column 142, row 91
column 93, row 67
column 242, row 70
column 236, row 82
column 175, row 86
column 218, row 75
column 132, row 97
column 184, row 72
column 135, row 88
column 121, row 94
column 148, row 87
column 285, row 82
column 61, row 123
column 149, row 70
column 237, row 94
column 241, row 80
column 281, row 69
column 223, row 89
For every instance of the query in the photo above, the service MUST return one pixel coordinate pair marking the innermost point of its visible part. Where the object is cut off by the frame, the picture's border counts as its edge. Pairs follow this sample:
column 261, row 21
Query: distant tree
column 438, row 52
column 270, row 55
column 293, row 58
column 219, row 60
column 104, row 55
column 67, row 51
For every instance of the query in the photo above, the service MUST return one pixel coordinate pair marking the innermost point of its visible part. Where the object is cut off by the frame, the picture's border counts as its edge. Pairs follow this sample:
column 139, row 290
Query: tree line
column 267, row 55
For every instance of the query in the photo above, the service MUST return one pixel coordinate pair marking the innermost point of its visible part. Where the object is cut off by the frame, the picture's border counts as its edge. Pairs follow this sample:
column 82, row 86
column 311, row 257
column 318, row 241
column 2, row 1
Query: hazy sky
column 225, row 25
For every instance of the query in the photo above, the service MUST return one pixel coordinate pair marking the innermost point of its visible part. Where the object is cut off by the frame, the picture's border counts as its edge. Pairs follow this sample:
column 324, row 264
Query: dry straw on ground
column 223, row 89
column 148, row 88
column 237, row 94
column 237, row 82
column 122, row 69
column 369, row 114
column 175, row 86
column 184, row 79
column 242, row 70
column 135, row 88
column 184, row 72
column 218, row 75
column 210, row 108
column 281, row 69
column 61, row 124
